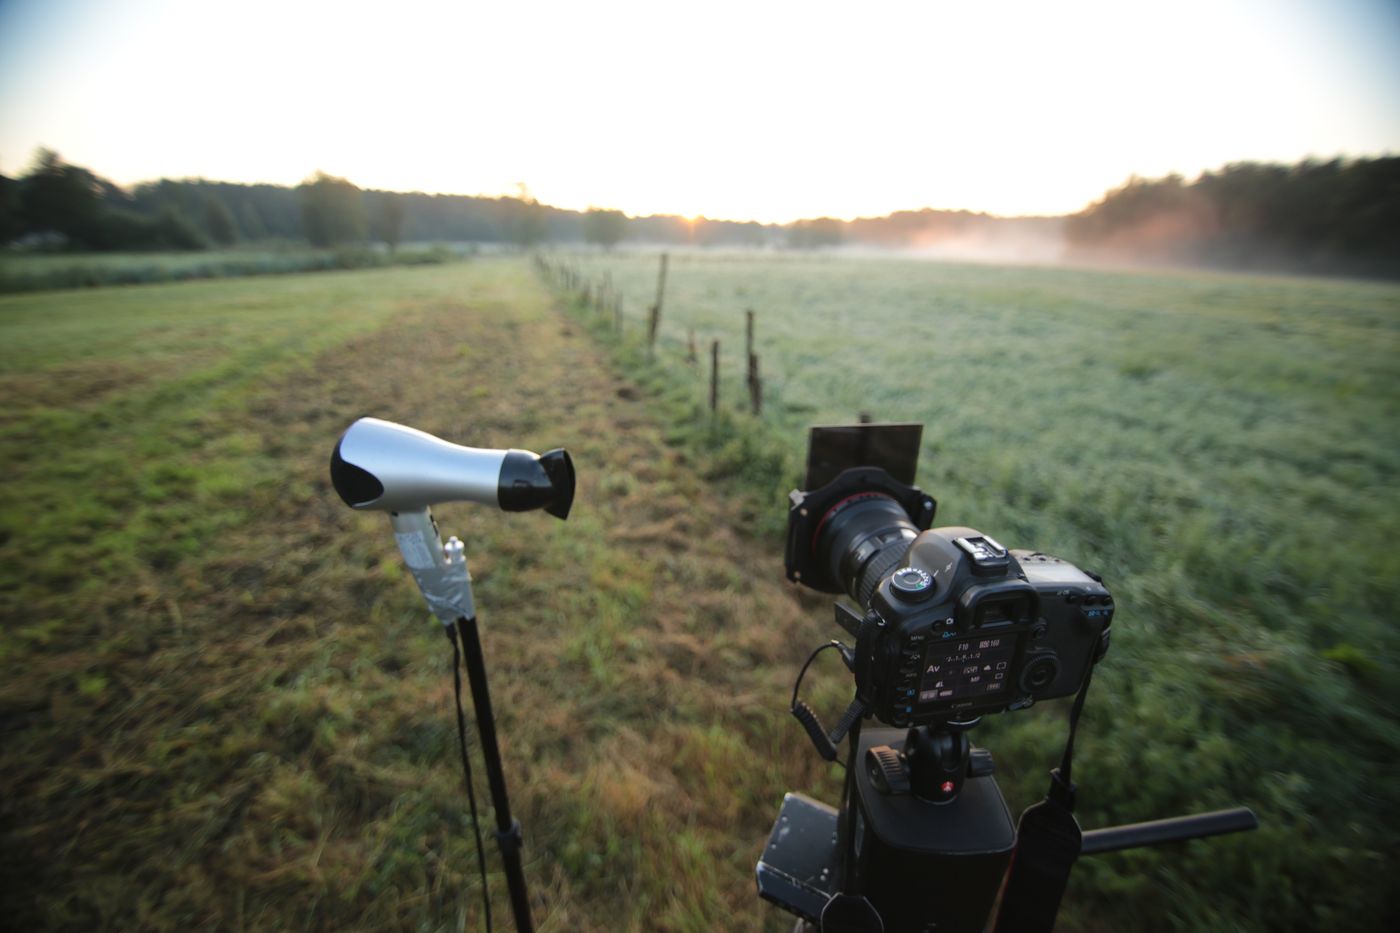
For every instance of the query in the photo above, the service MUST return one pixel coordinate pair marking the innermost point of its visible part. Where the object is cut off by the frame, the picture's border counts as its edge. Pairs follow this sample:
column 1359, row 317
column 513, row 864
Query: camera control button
column 912, row 583
column 1039, row 673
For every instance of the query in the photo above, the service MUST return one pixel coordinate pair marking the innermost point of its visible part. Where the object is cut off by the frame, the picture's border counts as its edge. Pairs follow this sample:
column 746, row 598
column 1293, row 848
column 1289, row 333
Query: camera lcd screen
column 967, row 667
column 833, row 448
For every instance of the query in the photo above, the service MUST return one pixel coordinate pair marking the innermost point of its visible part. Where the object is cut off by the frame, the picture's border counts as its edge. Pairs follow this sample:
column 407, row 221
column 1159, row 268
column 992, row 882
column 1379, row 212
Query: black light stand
column 508, row 834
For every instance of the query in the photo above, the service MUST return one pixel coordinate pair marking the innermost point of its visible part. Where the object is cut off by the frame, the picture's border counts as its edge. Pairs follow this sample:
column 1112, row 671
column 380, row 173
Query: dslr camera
column 951, row 625
column 955, row 625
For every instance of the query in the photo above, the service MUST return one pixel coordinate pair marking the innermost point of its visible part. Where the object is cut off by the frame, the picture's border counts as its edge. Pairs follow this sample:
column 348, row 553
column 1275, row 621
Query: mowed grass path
column 223, row 704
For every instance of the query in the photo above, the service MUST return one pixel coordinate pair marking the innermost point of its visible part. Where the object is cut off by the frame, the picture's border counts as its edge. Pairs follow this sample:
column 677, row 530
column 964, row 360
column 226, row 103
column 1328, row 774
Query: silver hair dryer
column 388, row 467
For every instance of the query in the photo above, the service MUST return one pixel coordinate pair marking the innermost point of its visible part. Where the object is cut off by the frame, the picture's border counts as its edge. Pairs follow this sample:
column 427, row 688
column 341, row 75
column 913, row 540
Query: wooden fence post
column 661, row 280
column 755, row 385
column 714, row 377
column 655, row 320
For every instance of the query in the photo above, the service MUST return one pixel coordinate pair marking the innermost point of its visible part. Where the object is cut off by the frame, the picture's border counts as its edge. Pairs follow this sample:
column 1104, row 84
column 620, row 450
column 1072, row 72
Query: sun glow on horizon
column 771, row 113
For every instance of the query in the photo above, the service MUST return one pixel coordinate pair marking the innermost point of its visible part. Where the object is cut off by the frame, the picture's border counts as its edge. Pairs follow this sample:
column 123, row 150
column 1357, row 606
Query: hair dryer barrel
column 382, row 466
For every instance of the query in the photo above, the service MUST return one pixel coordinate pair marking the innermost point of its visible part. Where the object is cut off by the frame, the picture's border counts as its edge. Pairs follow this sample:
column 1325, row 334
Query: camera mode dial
column 912, row 584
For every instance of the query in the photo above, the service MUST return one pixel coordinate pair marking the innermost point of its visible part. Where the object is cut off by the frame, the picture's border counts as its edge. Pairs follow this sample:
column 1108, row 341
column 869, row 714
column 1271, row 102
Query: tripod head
column 933, row 763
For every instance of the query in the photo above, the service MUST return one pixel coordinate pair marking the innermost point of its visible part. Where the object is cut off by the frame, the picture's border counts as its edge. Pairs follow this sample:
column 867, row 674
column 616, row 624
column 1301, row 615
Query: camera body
column 960, row 626
column 955, row 624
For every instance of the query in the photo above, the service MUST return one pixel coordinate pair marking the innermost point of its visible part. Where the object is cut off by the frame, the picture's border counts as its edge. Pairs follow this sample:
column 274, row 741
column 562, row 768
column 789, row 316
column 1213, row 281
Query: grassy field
column 32, row 272
column 222, row 701
column 1223, row 449
column 223, row 704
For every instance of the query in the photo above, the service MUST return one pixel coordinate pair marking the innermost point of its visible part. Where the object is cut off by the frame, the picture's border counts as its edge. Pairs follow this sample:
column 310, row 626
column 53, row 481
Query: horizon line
column 698, row 217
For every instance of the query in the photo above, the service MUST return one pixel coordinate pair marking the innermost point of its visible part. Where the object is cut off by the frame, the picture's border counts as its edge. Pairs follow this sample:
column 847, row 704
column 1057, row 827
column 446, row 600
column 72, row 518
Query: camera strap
column 1048, row 841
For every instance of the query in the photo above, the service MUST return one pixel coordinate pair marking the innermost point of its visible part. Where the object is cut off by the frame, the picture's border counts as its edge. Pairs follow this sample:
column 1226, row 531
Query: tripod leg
column 508, row 834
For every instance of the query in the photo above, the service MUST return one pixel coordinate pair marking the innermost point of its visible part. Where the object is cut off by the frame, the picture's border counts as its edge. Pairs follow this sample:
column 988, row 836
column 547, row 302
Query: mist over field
column 1043, row 245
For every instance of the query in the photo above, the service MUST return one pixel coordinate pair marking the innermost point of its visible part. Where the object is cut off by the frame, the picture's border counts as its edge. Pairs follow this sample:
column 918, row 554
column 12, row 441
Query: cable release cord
column 467, row 768
column 825, row 742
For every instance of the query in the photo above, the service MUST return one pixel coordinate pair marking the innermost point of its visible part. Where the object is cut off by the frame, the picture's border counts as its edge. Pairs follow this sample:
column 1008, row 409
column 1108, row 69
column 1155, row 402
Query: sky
column 760, row 110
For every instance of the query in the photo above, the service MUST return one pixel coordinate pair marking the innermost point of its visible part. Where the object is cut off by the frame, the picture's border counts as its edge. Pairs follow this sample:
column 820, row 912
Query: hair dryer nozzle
column 531, row 482
column 356, row 486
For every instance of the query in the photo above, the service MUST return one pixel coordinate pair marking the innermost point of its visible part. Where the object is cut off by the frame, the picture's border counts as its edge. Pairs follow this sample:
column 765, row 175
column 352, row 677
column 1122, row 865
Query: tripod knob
column 887, row 770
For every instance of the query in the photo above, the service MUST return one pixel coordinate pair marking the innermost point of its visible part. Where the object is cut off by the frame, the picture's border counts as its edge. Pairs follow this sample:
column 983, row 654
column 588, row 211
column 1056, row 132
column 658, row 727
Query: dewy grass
column 224, row 704
column 49, row 271
column 1212, row 444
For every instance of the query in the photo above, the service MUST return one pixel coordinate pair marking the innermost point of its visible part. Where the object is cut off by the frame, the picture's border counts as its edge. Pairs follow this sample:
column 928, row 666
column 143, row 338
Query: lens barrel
column 861, row 539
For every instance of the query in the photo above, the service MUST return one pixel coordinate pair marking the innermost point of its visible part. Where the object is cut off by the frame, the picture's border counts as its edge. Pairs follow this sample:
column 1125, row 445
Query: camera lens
column 861, row 539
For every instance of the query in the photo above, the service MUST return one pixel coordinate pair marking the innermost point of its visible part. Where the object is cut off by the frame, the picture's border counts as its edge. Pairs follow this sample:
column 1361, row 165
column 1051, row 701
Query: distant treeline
column 1341, row 216
column 63, row 206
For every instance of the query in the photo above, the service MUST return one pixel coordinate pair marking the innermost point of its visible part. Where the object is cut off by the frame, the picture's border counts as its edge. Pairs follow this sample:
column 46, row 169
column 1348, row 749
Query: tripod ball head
column 382, row 466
